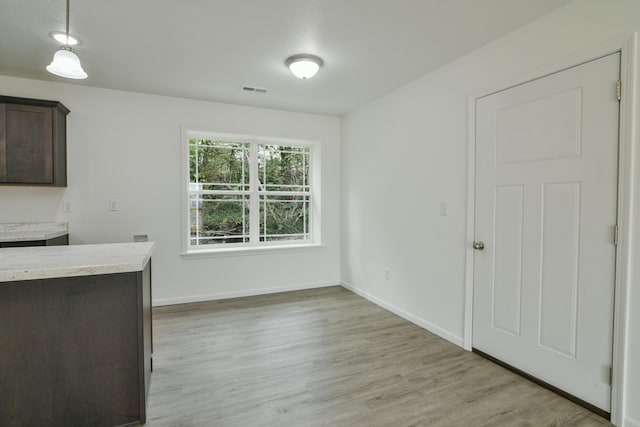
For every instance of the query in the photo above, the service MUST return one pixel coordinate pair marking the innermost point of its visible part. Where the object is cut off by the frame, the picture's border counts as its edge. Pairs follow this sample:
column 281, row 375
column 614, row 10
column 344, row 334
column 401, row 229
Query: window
column 248, row 191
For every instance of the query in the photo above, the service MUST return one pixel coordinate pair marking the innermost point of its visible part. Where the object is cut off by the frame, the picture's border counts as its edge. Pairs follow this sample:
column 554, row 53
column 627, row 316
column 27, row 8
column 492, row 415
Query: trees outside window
column 248, row 193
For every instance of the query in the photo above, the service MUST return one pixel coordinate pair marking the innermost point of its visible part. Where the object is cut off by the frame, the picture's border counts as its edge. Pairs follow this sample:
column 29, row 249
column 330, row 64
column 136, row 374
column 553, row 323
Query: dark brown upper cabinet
column 33, row 142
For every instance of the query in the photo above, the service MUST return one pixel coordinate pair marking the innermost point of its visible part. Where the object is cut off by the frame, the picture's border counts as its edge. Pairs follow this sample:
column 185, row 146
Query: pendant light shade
column 66, row 64
column 304, row 66
column 65, row 61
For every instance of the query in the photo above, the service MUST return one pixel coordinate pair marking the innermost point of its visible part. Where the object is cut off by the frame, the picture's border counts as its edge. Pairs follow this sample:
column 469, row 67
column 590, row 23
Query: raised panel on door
column 559, row 267
column 555, row 136
column 507, row 258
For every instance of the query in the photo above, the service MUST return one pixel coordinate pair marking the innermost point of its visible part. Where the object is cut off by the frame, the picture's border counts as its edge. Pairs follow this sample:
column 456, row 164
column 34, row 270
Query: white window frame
column 314, row 231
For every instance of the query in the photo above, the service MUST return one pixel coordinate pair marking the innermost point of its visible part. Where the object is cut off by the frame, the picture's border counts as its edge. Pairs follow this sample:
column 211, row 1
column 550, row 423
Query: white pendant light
column 304, row 66
column 65, row 62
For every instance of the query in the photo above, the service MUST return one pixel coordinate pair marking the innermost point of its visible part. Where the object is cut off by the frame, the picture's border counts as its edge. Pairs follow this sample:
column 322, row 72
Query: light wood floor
column 327, row 357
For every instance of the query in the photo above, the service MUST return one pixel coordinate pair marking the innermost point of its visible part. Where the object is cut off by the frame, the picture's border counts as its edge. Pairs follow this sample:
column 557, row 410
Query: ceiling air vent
column 254, row 89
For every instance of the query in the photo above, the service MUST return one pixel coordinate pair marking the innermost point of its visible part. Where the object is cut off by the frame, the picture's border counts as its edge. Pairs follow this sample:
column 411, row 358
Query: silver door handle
column 478, row 245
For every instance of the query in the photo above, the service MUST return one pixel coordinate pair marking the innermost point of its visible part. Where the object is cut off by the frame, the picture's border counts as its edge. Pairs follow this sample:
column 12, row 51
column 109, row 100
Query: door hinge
column 610, row 375
column 619, row 90
column 615, row 235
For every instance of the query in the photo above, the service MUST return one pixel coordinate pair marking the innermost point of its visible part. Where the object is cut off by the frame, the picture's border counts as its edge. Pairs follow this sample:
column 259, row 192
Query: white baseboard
column 628, row 422
column 237, row 294
column 406, row 315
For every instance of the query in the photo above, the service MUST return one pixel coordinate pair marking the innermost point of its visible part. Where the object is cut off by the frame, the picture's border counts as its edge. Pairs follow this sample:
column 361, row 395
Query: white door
column 546, row 196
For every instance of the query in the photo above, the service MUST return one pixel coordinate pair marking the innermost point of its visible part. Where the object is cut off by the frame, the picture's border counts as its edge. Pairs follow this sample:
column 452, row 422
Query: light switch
column 66, row 206
column 113, row 205
column 444, row 210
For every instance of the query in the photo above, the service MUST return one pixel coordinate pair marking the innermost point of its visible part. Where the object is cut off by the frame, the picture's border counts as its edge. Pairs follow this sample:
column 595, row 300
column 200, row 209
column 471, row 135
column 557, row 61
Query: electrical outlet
column 140, row 236
column 66, row 206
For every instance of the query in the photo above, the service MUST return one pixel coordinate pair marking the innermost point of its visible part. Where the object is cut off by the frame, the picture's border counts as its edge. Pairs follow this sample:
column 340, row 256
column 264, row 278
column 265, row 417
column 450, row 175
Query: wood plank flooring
column 326, row 357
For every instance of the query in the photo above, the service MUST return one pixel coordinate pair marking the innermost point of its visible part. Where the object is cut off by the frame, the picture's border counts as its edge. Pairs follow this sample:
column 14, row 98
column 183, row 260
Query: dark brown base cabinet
column 75, row 351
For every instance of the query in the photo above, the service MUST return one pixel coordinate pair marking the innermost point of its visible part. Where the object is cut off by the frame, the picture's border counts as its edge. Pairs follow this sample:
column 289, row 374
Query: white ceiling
column 209, row 49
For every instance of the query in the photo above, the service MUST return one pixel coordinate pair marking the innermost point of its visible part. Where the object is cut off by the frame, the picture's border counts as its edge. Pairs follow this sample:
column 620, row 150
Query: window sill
column 253, row 250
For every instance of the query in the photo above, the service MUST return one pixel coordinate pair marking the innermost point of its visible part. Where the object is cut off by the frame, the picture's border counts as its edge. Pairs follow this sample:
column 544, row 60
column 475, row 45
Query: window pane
column 283, row 168
column 284, row 218
column 227, row 180
column 218, row 219
column 218, row 165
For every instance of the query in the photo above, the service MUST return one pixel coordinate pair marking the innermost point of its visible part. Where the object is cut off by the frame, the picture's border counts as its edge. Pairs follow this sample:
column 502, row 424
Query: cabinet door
column 26, row 144
column 3, row 143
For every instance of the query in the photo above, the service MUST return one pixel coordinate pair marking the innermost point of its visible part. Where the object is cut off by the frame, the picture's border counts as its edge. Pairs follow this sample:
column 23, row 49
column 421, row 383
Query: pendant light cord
column 67, row 22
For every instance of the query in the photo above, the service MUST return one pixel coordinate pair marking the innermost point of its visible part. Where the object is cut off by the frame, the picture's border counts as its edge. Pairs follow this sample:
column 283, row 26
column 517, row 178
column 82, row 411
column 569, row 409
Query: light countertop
column 20, row 232
column 48, row 262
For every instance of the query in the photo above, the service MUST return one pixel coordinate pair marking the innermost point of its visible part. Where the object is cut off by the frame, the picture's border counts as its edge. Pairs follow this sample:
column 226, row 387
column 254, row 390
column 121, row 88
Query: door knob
column 478, row 245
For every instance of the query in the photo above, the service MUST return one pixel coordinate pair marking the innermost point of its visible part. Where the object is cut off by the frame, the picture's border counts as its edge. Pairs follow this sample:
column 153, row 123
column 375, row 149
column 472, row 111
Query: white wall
column 126, row 146
column 406, row 152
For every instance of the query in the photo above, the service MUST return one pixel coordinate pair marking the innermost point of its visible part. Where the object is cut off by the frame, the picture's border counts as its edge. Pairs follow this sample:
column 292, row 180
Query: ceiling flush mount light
column 65, row 62
column 304, row 66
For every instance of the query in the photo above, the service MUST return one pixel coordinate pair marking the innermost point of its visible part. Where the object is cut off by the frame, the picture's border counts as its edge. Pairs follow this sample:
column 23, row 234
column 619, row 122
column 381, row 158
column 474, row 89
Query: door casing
column 626, row 46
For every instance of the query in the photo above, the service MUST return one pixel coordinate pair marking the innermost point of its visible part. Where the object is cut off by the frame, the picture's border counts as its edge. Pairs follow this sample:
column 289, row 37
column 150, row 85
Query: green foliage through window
column 232, row 182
